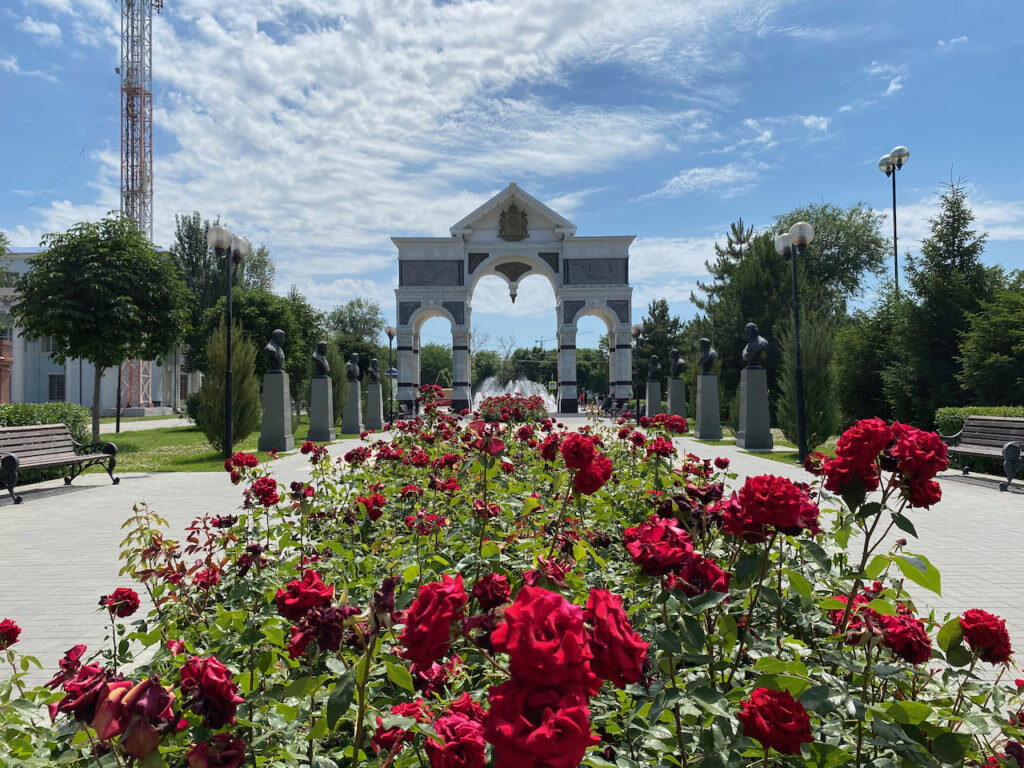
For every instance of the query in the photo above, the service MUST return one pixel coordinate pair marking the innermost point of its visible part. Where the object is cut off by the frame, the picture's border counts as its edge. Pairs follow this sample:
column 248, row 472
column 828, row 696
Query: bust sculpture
column 756, row 344
column 274, row 351
column 677, row 364
column 323, row 368
column 655, row 369
column 374, row 371
column 352, row 368
column 707, row 356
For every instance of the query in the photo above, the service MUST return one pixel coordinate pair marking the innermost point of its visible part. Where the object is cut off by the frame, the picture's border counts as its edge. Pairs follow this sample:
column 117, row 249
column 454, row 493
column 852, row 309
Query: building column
column 408, row 370
column 462, row 397
column 567, row 402
column 623, row 364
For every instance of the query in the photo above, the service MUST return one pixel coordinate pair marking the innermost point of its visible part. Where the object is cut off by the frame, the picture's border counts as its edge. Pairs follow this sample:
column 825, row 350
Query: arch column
column 462, row 397
column 567, row 402
column 622, row 363
column 408, row 369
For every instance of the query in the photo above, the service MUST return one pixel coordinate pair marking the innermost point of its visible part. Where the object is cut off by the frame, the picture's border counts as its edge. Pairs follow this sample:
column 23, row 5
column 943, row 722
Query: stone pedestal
column 374, row 407
column 755, row 429
column 352, row 419
column 709, row 425
column 653, row 398
column 677, row 397
column 321, row 410
column 276, row 431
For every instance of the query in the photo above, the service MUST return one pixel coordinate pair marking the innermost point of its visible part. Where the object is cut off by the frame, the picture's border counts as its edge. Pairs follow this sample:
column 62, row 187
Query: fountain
column 491, row 388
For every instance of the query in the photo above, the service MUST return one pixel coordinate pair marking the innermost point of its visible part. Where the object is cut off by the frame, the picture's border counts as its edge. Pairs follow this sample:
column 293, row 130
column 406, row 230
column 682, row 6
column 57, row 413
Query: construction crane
column 136, row 72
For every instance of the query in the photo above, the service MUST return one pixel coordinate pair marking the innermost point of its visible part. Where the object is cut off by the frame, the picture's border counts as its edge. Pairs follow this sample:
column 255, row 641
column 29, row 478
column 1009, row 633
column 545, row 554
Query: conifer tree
column 245, row 389
column 820, row 414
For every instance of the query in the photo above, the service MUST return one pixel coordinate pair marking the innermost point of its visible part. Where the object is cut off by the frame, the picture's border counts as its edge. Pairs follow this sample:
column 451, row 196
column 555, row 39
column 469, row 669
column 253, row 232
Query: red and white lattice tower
column 137, row 155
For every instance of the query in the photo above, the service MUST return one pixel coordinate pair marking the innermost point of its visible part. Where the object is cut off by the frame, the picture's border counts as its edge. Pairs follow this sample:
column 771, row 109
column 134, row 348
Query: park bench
column 990, row 437
column 49, row 445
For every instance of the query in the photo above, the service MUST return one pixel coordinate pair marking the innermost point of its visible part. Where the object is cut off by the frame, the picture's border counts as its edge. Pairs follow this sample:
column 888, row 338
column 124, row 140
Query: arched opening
column 435, row 352
column 592, row 359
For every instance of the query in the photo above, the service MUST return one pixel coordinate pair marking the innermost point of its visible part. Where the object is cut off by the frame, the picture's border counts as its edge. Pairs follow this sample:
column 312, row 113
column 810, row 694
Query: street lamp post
column 391, row 332
column 789, row 245
column 233, row 249
column 889, row 164
column 637, row 330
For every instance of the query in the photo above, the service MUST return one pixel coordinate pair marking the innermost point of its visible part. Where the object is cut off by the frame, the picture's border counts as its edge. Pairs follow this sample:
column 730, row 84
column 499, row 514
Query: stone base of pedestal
column 321, row 411
column 374, row 407
column 677, row 397
column 709, row 425
column 569, row 405
column 653, row 398
column 276, row 430
column 755, row 428
column 352, row 419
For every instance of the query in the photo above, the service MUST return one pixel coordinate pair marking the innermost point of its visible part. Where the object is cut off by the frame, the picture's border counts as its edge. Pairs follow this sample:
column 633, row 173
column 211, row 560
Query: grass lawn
column 180, row 449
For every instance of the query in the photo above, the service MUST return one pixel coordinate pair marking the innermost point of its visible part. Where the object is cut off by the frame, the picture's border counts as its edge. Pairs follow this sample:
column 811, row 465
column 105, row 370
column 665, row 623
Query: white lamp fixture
column 218, row 237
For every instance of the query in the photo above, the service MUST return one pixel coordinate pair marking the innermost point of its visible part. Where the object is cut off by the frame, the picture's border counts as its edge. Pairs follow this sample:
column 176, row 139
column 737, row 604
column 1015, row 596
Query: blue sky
column 321, row 128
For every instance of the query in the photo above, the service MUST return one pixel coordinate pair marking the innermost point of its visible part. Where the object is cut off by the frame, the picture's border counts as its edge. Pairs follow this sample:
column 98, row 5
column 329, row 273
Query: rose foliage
column 467, row 593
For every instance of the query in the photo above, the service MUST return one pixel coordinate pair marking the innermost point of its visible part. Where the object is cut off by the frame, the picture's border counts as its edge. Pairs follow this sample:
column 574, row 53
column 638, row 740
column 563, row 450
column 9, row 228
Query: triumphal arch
column 513, row 235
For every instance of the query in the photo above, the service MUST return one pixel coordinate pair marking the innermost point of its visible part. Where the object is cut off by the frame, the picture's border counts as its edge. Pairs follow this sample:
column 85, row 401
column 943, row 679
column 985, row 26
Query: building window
column 47, row 345
column 7, row 333
column 183, row 387
column 57, row 392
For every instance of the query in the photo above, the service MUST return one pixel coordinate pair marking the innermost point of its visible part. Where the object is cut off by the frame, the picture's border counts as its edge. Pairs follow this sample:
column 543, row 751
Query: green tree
column 662, row 332
column 991, row 356
column 258, row 270
column 863, row 350
column 820, row 414
column 947, row 283
column 104, row 294
column 486, row 363
column 434, row 358
column 737, row 242
column 245, row 388
column 359, row 318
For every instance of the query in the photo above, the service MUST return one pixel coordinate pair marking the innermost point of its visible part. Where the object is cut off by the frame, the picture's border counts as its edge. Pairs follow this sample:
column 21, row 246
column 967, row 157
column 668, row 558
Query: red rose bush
column 501, row 591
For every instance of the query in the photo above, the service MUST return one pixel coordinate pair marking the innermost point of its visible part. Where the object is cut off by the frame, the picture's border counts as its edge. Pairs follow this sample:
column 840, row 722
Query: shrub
column 193, row 403
column 245, row 389
column 513, row 409
column 821, row 418
column 949, row 421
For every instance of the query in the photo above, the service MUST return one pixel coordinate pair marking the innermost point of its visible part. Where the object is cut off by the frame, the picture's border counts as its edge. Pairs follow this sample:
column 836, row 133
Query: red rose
column 592, row 479
column 661, row 447
column 986, row 635
column 122, row 602
column 147, row 708
column 463, row 745
column 549, row 448
column 207, row 578
column 9, row 632
column 465, row 705
column 776, row 501
column 721, row 462
column 427, row 633
column 297, row 597
column 325, row 625
column 922, row 493
column 68, row 666
column 82, row 692
column 856, row 455
column 265, row 491
column 578, row 451
column 491, row 591
column 658, row 545
column 386, row 740
column 207, row 685
column 543, row 636
column 907, row 638
column 918, row 453
column 222, row 751
column 619, row 652
column 537, row 727
column 815, row 463
column 699, row 574
column 775, row 719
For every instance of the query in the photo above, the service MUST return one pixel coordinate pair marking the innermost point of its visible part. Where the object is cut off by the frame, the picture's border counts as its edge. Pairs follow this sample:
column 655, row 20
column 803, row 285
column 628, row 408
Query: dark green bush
column 192, row 405
column 949, row 421
column 77, row 418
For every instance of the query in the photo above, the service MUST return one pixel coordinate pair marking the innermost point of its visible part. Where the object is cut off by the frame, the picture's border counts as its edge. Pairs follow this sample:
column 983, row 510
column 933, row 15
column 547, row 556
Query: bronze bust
column 274, row 351
column 323, row 368
column 707, row 356
column 374, row 371
column 655, row 369
column 677, row 364
column 352, row 368
column 756, row 344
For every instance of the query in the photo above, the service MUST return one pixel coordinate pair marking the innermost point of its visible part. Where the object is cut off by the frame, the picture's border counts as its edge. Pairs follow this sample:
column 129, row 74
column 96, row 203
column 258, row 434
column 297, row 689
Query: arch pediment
column 499, row 219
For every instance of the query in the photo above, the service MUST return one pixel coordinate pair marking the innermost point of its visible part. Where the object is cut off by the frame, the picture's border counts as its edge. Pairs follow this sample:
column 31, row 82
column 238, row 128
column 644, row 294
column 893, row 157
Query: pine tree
column 245, row 389
column 820, row 415
column 737, row 242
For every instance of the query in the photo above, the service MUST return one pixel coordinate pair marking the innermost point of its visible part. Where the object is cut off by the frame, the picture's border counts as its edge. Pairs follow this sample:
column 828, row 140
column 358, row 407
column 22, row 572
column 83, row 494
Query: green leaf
column 951, row 633
column 951, row 748
column 747, row 567
column 831, row 604
column 302, row 688
column 827, row 755
column 958, row 656
column 400, row 676
column 817, row 554
column 919, row 570
column 706, row 600
column 904, row 524
column 822, row 699
column 668, row 640
column 711, row 700
column 854, row 494
column 791, row 683
column 876, row 566
column 275, row 635
column 883, row 607
column 869, row 510
column 799, row 584
column 908, row 712
column 692, row 632
column 728, row 631
column 340, row 698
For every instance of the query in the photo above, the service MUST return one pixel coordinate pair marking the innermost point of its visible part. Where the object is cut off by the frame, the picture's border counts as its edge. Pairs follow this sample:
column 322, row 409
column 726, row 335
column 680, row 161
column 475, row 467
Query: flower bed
column 513, row 409
column 475, row 594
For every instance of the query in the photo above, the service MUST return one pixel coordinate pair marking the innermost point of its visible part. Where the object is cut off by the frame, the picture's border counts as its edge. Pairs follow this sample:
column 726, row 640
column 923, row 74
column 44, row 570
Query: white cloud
column 10, row 64
column 894, row 86
column 47, row 31
column 60, row 6
column 815, row 122
column 945, row 45
column 725, row 181
column 883, row 70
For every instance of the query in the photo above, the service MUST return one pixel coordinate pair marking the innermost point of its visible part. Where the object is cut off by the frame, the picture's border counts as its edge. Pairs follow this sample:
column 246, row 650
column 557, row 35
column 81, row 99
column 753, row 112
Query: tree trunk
column 98, row 377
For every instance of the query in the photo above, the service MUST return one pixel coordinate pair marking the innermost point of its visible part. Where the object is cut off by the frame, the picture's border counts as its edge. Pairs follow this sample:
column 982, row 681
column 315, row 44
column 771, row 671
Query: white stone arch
column 512, row 236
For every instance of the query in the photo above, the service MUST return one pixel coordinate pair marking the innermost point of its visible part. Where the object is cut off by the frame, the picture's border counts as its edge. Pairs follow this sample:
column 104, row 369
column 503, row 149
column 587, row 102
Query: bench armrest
column 95, row 448
column 952, row 439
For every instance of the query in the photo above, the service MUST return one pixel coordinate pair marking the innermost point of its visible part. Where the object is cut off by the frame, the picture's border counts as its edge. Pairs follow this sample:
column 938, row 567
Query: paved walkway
column 59, row 549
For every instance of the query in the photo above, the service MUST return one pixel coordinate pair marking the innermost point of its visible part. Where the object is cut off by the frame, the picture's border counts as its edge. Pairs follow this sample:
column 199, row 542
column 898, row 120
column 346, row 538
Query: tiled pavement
column 59, row 549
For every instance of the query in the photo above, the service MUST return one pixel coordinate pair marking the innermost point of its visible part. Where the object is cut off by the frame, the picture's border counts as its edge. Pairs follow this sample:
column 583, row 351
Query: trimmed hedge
column 77, row 418
column 949, row 421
